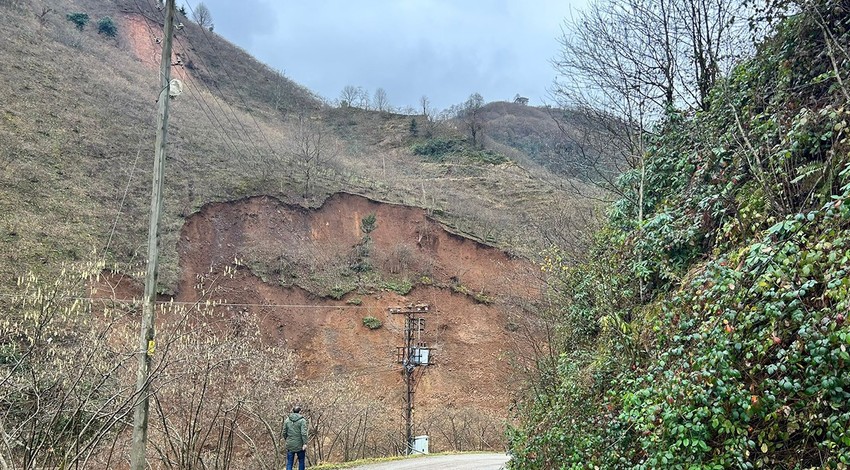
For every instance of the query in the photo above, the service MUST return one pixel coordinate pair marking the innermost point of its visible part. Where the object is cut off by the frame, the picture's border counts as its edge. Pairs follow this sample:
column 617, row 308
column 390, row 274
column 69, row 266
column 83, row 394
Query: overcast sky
column 444, row 49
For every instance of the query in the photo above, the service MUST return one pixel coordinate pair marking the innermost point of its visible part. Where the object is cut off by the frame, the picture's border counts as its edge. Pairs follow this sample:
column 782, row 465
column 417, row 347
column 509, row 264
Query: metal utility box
column 421, row 356
column 420, row 445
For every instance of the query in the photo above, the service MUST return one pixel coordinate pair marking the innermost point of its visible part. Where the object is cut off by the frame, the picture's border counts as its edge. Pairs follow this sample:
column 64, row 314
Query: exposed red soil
column 475, row 351
column 145, row 37
column 473, row 346
column 477, row 346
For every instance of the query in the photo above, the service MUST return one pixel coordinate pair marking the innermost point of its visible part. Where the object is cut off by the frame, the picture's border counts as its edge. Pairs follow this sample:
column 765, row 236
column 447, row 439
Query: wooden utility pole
column 147, row 344
column 410, row 356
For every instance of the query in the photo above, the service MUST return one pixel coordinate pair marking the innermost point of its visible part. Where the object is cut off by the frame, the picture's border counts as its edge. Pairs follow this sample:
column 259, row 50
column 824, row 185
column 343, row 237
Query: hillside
column 273, row 265
column 707, row 326
column 532, row 133
column 87, row 106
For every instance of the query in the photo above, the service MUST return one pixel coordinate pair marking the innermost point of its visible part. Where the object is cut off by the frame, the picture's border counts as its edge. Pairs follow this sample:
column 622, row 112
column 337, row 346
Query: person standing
column 295, row 434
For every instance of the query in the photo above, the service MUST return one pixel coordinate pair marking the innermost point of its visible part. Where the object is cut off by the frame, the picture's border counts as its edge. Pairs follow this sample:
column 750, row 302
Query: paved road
column 441, row 462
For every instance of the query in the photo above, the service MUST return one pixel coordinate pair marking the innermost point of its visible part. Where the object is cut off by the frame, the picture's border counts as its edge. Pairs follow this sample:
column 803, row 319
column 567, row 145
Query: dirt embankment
column 476, row 345
column 145, row 39
column 473, row 341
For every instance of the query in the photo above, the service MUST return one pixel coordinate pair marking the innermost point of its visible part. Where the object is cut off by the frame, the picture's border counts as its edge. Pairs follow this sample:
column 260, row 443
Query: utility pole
column 147, row 345
column 410, row 356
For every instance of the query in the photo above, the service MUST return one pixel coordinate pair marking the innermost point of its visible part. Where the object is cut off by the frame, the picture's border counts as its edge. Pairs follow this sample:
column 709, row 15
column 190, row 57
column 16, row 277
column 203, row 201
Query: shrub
column 107, row 26
column 441, row 149
column 482, row 298
column 460, row 289
column 372, row 323
column 436, row 149
column 80, row 20
column 338, row 291
column 399, row 287
column 369, row 223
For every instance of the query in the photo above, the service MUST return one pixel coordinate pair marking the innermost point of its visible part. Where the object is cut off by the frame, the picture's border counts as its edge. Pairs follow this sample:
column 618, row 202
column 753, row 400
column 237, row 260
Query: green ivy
column 711, row 332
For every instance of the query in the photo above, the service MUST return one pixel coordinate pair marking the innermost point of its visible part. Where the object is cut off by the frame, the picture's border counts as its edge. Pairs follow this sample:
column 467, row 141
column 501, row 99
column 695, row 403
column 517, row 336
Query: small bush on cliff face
column 402, row 287
column 107, row 27
column 80, row 20
column 339, row 291
column 372, row 323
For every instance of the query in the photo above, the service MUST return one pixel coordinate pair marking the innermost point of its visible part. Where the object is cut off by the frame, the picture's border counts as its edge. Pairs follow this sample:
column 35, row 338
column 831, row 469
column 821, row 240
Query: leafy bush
column 707, row 328
column 483, row 298
column 402, row 287
column 436, row 149
column 460, row 289
column 80, row 20
column 372, row 323
column 107, row 26
column 368, row 223
column 338, row 291
column 441, row 149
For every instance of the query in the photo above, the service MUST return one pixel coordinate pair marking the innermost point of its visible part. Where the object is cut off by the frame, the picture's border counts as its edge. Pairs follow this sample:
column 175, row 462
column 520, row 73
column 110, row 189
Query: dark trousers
column 290, row 458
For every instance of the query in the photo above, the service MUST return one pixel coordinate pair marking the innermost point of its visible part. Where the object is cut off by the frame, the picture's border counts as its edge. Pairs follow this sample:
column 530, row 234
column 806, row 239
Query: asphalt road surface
column 442, row 462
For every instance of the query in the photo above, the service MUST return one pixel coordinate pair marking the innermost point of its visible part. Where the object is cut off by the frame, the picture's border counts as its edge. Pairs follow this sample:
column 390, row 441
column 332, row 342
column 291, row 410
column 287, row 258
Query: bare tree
column 349, row 96
column 344, row 423
column 201, row 14
column 425, row 103
column 363, row 99
column 213, row 378
column 312, row 148
column 42, row 17
column 62, row 398
column 624, row 63
column 380, row 100
column 470, row 115
column 712, row 39
column 429, row 113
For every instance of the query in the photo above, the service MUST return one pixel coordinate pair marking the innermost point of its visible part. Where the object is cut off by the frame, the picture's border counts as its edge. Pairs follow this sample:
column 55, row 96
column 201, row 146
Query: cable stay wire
column 232, row 117
column 119, row 213
column 205, row 35
column 202, row 103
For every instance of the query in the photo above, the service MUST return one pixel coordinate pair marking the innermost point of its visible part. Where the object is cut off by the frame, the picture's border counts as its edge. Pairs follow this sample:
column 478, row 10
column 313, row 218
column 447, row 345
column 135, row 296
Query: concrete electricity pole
column 147, row 344
column 410, row 356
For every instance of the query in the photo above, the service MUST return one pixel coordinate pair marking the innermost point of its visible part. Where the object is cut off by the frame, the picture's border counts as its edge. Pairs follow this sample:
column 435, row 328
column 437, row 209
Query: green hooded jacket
column 295, row 432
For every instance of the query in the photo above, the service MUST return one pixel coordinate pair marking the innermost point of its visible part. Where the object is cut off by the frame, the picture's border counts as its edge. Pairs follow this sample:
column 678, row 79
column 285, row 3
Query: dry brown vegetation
column 77, row 131
column 76, row 140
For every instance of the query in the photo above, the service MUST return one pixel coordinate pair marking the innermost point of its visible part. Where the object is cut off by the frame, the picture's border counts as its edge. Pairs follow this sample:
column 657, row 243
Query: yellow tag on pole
column 151, row 347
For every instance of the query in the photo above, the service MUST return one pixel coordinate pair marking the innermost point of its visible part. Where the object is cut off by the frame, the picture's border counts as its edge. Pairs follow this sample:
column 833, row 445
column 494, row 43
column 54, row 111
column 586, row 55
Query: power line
column 207, row 303
column 124, row 196
column 218, row 102
column 235, row 88
column 211, row 115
